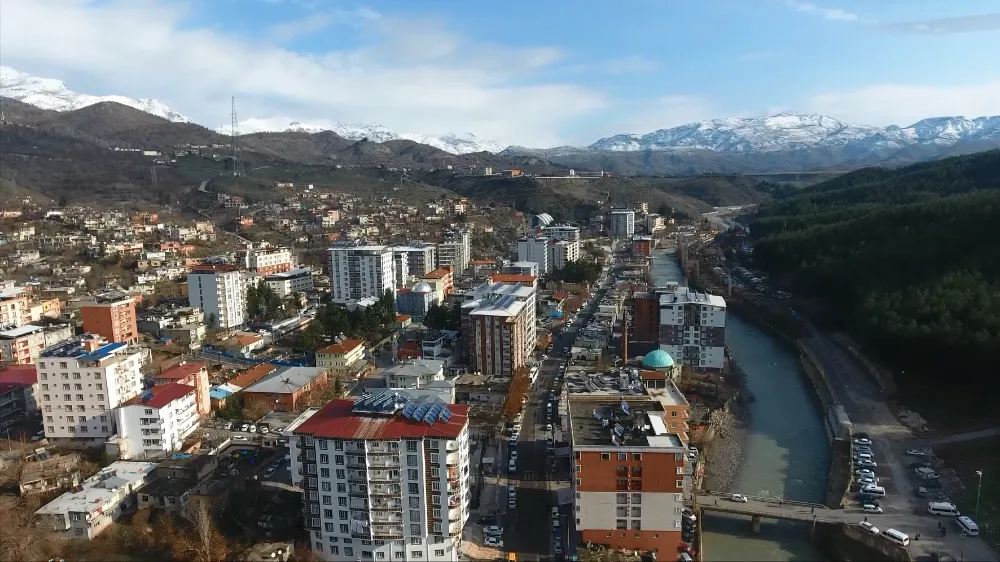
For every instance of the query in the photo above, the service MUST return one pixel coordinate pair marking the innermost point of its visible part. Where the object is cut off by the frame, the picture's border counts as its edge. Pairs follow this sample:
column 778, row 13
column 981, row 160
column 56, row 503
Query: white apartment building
column 400, row 268
column 456, row 251
column 654, row 223
column 265, row 261
column 358, row 272
column 155, row 422
column 420, row 258
column 622, row 223
column 693, row 328
column 288, row 282
column 535, row 249
column 80, row 382
column 383, row 477
column 563, row 252
column 220, row 291
column 22, row 345
column 87, row 510
column 562, row 232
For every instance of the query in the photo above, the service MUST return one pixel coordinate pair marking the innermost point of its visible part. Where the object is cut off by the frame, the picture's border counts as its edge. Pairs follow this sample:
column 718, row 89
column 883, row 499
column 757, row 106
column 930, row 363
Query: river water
column 786, row 453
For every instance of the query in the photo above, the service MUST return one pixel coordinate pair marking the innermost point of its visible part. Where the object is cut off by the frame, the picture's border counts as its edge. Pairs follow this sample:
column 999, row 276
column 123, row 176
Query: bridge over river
column 770, row 508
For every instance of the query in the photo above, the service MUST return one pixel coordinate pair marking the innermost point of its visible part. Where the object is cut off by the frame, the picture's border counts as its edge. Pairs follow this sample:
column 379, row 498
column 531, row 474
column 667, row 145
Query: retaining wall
column 840, row 541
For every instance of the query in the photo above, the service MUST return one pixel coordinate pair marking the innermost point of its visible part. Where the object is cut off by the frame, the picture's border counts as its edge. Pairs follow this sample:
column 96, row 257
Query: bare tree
column 207, row 544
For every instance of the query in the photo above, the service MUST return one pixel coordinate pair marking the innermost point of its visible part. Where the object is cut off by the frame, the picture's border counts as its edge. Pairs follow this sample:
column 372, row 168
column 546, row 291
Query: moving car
column 557, row 547
column 916, row 453
column 548, row 427
column 738, row 498
column 869, row 527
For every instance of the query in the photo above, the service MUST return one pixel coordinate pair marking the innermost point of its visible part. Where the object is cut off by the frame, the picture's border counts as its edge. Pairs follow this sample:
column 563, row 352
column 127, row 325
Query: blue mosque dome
column 657, row 359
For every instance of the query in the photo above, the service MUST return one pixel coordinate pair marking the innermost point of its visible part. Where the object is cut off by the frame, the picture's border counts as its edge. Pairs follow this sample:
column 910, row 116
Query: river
column 786, row 453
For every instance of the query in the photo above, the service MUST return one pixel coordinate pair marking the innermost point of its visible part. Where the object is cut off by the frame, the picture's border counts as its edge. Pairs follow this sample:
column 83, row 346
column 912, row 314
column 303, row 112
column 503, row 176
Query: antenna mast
column 234, row 143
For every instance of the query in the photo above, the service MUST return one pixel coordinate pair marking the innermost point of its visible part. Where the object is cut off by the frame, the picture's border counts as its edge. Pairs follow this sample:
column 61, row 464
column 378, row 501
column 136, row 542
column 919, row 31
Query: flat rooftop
column 596, row 385
column 74, row 349
column 608, row 424
column 166, row 487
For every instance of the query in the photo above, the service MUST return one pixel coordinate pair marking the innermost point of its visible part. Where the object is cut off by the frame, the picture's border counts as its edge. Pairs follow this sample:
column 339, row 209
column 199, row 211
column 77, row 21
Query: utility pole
column 234, row 143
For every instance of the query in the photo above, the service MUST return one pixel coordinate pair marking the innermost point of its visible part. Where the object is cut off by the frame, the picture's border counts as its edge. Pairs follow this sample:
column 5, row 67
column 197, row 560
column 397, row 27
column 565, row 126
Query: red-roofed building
column 18, row 384
column 191, row 373
column 515, row 279
column 442, row 279
column 155, row 422
column 345, row 359
column 402, row 465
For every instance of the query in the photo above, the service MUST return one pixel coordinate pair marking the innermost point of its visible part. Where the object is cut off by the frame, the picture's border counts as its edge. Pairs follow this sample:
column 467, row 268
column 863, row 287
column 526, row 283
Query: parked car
column 916, row 453
column 738, row 498
column 871, row 508
column 494, row 530
column 493, row 542
column 862, row 441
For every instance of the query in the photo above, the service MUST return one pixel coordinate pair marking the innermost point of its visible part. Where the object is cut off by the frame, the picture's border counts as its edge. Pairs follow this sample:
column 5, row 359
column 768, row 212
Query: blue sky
column 537, row 73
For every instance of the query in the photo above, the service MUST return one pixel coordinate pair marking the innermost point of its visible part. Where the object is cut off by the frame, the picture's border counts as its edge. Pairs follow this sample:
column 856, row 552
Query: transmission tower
column 235, row 144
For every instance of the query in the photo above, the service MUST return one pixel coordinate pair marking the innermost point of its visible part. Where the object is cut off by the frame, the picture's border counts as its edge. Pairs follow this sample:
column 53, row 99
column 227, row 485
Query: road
column 776, row 509
column 866, row 405
column 529, row 530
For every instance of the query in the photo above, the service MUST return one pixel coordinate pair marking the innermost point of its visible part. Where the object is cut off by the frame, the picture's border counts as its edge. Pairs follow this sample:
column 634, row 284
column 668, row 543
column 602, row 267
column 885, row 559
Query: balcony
column 453, row 459
column 392, row 462
column 355, row 462
column 383, row 476
column 454, row 501
column 454, row 515
column 386, row 504
column 385, row 490
column 382, row 448
column 359, row 504
column 387, row 518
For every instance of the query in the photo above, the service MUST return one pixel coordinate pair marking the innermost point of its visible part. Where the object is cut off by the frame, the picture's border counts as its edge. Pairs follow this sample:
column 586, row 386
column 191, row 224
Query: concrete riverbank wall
column 839, row 541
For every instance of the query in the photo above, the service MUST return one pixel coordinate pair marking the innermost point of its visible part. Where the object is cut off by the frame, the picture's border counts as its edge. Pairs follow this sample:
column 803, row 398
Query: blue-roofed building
column 90, row 377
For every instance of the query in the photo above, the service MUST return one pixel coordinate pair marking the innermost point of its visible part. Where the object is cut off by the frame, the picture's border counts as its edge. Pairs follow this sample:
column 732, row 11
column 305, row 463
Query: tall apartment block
column 220, row 291
column 562, row 252
column 80, row 382
column 622, row 223
column 629, row 446
column 535, row 249
column 693, row 328
column 455, row 251
column 420, row 258
column 114, row 319
column 383, row 478
column 400, row 269
column 499, row 324
column 358, row 272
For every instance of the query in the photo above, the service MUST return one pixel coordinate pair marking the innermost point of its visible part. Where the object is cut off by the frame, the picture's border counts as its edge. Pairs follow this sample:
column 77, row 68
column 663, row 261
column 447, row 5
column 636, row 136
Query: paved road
column 866, row 405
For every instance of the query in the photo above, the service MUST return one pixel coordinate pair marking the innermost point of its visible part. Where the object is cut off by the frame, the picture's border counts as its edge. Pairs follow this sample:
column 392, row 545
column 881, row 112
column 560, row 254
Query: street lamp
column 979, row 491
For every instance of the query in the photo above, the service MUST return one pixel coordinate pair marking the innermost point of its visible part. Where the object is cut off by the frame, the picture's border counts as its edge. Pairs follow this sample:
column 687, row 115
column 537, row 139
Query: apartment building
column 14, row 308
column 500, row 335
column 562, row 252
column 535, row 249
column 384, row 477
column 267, row 261
column 442, row 280
column 193, row 374
column 454, row 253
column 155, row 422
column 358, row 272
column 655, row 223
column 90, row 508
column 622, row 223
column 292, row 281
column 631, row 471
column 693, row 328
column 18, row 391
column 114, row 320
column 220, row 291
column 400, row 268
column 420, row 258
column 22, row 345
column 642, row 246
column 521, row 268
column 562, row 232
column 342, row 359
column 81, row 381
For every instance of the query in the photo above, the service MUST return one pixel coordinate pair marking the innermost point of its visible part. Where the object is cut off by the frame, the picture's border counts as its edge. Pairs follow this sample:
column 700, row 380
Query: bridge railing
column 767, row 500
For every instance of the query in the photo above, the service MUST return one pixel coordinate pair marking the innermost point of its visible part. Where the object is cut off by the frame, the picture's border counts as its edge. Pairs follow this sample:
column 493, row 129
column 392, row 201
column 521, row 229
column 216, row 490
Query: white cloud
column 832, row 14
column 417, row 77
column 633, row 64
column 942, row 26
column 903, row 104
column 318, row 21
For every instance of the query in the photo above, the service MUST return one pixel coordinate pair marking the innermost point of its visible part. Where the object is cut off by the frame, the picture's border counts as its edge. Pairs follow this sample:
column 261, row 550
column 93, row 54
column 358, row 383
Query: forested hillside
column 907, row 261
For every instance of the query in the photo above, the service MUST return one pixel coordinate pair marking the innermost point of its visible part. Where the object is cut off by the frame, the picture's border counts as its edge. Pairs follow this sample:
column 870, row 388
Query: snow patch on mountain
column 52, row 94
column 794, row 131
column 453, row 143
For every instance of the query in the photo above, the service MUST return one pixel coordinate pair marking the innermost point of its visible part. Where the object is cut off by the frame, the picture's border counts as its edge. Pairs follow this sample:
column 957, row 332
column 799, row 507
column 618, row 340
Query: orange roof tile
column 512, row 278
column 252, row 375
column 181, row 370
column 439, row 273
column 343, row 347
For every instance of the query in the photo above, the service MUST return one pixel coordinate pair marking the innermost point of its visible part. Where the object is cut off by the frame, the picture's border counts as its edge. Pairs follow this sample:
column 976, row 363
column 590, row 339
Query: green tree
column 310, row 337
column 338, row 386
column 664, row 210
column 436, row 317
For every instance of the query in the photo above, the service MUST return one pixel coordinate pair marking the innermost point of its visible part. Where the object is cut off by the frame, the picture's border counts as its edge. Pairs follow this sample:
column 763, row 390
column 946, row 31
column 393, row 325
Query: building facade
column 286, row 283
column 380, row 483
column 500, row 331
column 420, row 258
column 642, row 246
column 220, row 291
column 266, row 261
column 193, row 374
column 622, row 223
column 81, row 381
column 562, row 252
column 112, row 320
column 358, row 272
column 693, row 328
column 155, row 422
column 14, row 308
column 535, row 249
column 562, row 232
column 22, row 345
column 342, row 359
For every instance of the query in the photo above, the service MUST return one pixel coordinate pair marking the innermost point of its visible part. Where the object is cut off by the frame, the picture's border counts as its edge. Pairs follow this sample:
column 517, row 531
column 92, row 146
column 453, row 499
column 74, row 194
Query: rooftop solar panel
column 445, row 414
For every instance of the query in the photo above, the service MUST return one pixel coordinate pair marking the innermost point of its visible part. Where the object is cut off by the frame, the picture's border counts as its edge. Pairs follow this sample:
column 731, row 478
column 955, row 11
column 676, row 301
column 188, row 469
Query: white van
column 942, row 508
column 967, row 525
column 874, row 491
column 896, row 537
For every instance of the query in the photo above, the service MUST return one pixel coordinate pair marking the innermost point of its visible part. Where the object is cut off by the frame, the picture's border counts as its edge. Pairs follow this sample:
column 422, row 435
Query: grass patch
column 966, row 459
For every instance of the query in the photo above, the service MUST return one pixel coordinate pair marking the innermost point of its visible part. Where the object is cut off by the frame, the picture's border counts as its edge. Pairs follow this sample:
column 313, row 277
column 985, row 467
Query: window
column 326, row 486
column 324, row 472
column 414, row 503
column 327, row 500
column 412, row 474
column 439, row 552
column 416, row 540
column 414, row 515
column 656, row 535
column 411, row 460
column 680, row 483
column 637, row 456
column 621, row 498
column 339, row 459
column 636, row 512
column 400, row 555
column 324, row 459
column 341, row 488
column 348, row 551
column 343, row 530
column 621, row 524
column 636, row 498
column 680, row 470
column 341, row 474
column 411, row 446
column 414, row 529
column 622, row 456
column 334, row 549
column 366, row 553
column 343, row 515
column 323, row 445
column 328, row 527
column 342, row 501
column 605, row 456
column 413, row 488
column 338, row 445
column 416, row 554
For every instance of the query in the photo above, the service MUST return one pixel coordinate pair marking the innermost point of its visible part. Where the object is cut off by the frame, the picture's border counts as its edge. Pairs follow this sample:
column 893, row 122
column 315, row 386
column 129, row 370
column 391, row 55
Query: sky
column 536, row 73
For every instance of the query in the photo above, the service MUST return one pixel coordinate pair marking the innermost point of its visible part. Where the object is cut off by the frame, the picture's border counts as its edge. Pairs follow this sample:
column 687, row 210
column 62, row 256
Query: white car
column 513, row 456
column 916, row 453
column 869, row 527
column 867, row 481
column 871, row 508
column 241, row 438
column 865, row 473
column 862, row 441
column 512, row 503
column 548, row 427
column 493, row 542
column 557, row 547
column 493, row 530
column 738, row 498
column 511, row 490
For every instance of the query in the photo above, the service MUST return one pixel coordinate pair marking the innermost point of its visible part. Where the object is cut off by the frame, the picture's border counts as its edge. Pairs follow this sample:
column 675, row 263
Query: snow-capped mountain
column 453, row 143
column 793, row 131
column 52, row 94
